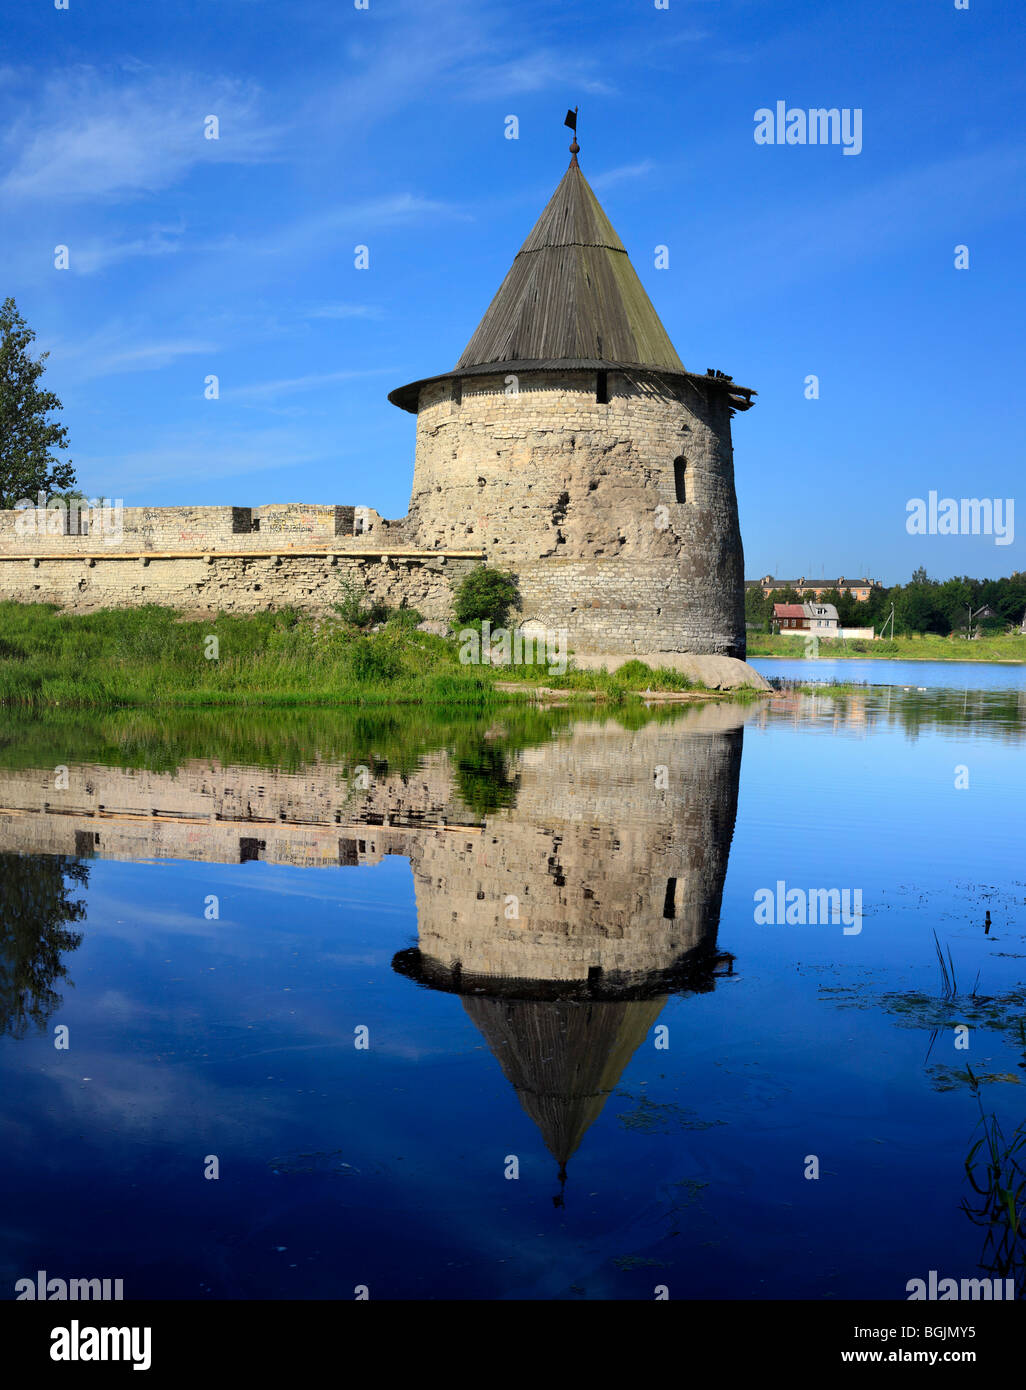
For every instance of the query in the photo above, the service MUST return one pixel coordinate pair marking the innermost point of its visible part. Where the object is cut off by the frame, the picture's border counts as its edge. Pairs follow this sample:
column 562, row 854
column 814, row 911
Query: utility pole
column 973, row 615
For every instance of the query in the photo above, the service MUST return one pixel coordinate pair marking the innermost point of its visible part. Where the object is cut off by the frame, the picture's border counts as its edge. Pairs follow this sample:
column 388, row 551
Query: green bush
column 404, row 618
column 485, row 593
column 375, row 659
column 633, row 671
column 351, row 609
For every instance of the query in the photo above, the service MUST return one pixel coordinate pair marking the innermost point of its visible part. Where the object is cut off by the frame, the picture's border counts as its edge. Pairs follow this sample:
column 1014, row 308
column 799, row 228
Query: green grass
column 631, row 678
column 141, row 657
column 926, row 647
column 144, row 656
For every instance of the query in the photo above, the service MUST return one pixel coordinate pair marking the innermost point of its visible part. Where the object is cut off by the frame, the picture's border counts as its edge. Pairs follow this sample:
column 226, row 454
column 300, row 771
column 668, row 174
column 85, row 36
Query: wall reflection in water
column 565, row 887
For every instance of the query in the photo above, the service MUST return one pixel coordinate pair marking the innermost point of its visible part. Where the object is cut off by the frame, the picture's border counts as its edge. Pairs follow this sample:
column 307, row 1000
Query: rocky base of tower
column 715, row 672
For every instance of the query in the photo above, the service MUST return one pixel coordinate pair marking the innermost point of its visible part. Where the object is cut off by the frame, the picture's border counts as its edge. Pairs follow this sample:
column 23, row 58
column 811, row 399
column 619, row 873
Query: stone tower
column 573, row 446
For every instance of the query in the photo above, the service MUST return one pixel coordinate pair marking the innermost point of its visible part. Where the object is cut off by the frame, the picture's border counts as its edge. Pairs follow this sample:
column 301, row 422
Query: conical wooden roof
column 563, row 1059
column 572, row 301
column 572, row 295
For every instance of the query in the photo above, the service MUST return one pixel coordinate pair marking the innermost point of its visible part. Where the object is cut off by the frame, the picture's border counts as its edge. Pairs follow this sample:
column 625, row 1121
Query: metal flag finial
column 571, row 121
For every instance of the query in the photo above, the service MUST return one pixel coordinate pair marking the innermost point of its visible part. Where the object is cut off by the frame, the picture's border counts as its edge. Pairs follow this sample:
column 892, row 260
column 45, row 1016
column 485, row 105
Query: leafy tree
column 954, row 599
column 35, row 908
column 485, row 593
column 873, row 611
column 27, row 436
column 916, row 608
column 1009, row 598
column 758, row 608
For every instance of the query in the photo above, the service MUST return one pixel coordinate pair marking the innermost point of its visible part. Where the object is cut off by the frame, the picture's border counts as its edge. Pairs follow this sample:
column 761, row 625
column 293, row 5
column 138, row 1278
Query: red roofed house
column 790, row 616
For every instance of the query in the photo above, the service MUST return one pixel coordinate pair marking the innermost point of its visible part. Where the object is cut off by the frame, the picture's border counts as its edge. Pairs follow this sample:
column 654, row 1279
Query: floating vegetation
column 320, row 1162
column 999, row 1013
column 649, row 1117
column 628, row 1262
column 688, row 1193
column 945, row 1078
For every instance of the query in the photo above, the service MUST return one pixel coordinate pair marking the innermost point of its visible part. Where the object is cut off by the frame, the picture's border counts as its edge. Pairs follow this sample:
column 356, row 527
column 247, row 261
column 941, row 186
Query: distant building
column 812, row 588
column 820, row 618
column 791, row 617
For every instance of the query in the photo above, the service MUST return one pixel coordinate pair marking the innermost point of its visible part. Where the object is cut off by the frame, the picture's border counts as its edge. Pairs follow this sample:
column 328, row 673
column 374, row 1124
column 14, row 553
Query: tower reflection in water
column 567, row 923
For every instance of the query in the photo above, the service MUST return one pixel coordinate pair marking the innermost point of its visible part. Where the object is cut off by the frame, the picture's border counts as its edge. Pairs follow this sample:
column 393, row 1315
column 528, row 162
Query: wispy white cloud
column 122, row 345
column 824, row 236
column 200, row 455
column 86, row 258
column 90, row 135
column 345, row 311
column 155, row 355
column 145, row 357
column 536, row 72
column 624, row 171
column 358, row 219
column 265, row 390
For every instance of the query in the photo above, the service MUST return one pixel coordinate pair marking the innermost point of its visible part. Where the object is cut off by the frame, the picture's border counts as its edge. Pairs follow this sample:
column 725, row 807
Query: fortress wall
column 222, row 582
column 174, row 528
column 579, row 499
column 610, row 869
column 84, row 837
column 318, row 817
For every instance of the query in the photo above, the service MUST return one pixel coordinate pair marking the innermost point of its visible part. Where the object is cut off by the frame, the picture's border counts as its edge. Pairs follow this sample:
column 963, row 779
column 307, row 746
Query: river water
column 947, row 675
column 501, row 1008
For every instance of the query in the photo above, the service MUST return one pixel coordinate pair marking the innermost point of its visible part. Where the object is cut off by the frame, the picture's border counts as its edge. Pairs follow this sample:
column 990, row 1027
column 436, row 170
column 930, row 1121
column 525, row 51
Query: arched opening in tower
column 680, row 468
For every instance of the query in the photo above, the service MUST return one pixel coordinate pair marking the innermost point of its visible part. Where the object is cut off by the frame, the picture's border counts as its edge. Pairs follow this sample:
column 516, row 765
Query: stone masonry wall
column 192, row 558
column 579, row 499
column 197, row 528
column 232, row 583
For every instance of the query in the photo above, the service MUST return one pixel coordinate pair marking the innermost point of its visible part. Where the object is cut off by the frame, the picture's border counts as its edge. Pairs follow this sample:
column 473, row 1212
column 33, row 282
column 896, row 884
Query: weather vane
column 571, row 121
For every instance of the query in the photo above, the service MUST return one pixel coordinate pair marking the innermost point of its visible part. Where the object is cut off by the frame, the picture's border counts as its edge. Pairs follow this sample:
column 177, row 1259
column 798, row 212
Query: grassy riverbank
column 917, row 648
column 139, row 657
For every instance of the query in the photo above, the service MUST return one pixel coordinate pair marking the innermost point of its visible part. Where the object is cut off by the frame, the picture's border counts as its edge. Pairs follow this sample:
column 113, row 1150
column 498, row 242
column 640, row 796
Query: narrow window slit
column 670, row 901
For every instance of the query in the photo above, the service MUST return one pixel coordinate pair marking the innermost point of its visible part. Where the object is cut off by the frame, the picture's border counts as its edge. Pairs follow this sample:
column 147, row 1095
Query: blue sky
column 385, row 127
